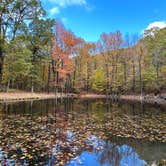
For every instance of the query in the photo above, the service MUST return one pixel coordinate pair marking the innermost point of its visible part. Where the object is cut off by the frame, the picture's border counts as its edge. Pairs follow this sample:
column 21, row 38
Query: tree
column 83, row 66
column 40, row 37
column 108, row 46
column 140, row 51
column 98, row 81
column 155, row 44
column 148, row 78
column 64, row 47
column 17, row 63
column 14, row 17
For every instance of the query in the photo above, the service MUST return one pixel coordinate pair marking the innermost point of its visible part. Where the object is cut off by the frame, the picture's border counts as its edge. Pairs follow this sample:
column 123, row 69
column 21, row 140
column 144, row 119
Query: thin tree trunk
column 140, row 75
column 107, row 79
column 88, row 76
column 125, row 73
column 55, row 75
column 1, row 58
column 49, row 76
column 8, row 86
column 133, row 73
column 1, row 64
column 74, row 74
column 32, row 88
column 157, row 75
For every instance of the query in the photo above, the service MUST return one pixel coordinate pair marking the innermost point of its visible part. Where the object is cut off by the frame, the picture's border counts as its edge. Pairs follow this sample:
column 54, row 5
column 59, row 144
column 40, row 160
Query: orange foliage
column 64, row 47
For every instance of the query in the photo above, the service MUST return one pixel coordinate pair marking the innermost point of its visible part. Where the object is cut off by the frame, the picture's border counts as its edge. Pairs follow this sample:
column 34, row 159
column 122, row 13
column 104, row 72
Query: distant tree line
column 115, row 64
column 40, row 54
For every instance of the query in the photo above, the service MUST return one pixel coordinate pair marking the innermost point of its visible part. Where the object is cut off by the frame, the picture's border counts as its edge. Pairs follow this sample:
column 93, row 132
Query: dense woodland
column 39, row 54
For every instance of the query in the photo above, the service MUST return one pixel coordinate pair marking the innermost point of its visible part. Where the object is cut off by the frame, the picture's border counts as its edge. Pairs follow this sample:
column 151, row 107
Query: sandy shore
column 23, row 96
column 91, row 96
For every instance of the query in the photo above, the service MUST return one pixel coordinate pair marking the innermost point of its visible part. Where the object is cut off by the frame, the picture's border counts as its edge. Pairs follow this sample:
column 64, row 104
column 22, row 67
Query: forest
column 39, row 54
column 80, row 91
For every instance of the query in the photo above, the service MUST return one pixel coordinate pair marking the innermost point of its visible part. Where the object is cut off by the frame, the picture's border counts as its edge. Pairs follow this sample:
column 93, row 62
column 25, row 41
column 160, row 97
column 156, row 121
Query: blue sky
column 89, row 18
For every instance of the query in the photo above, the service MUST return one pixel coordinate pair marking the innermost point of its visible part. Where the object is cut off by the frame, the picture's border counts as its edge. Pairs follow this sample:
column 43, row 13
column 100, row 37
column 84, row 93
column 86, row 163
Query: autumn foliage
column 65, row 47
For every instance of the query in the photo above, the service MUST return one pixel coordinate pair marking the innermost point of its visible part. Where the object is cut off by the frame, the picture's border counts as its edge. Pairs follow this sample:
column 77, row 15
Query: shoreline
column 118, row 131
column 145, row 99
column 26, row 96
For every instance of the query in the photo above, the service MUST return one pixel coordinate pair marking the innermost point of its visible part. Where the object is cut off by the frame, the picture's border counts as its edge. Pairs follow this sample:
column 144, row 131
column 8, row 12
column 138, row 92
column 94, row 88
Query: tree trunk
column 88, row 76
column 133, row 74
column 125, row 73
column 107, row 79
column 1, row 64
column 140, row 75
column 32, row 88
column 74, row 74
column 49, row 76
column 8, row 86
column 157, row 75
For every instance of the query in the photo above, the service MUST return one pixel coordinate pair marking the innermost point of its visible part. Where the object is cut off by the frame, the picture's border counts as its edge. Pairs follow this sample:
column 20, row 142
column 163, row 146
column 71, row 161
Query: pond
column 75, row 132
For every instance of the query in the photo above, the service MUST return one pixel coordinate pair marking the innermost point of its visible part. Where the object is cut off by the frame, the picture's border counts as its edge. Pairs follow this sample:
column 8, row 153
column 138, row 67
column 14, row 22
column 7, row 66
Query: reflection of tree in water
column 110, row 155
column 121, row 148
column 29, row 137
column 109, row 152
column 60, row 148
column 56, row 131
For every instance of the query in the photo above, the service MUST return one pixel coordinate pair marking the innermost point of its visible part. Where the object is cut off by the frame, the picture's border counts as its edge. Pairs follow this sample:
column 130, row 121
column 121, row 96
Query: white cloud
column 157, row 24
column 54, row 11
column 65, row 3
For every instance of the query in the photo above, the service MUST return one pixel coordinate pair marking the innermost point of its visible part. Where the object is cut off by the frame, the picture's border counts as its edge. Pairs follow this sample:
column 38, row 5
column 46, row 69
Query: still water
column 82, row 133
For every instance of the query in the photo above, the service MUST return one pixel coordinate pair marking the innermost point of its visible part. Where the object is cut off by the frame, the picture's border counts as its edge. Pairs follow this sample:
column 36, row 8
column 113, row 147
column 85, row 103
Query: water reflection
column 107, row 153
column 56, row 132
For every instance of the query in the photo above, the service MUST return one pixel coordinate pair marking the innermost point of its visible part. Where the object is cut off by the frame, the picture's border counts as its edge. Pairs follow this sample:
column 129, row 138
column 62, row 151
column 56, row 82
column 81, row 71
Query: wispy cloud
column 54, row 11
column 58, row 5
column 65, row 3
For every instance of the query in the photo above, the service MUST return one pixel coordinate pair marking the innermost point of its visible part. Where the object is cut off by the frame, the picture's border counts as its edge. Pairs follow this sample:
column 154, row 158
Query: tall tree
column 40, row 37
column 140, row 51
column 14, row 16
column 155, row 43
column 17, row 63
column 64, row 48
column 108, row 46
